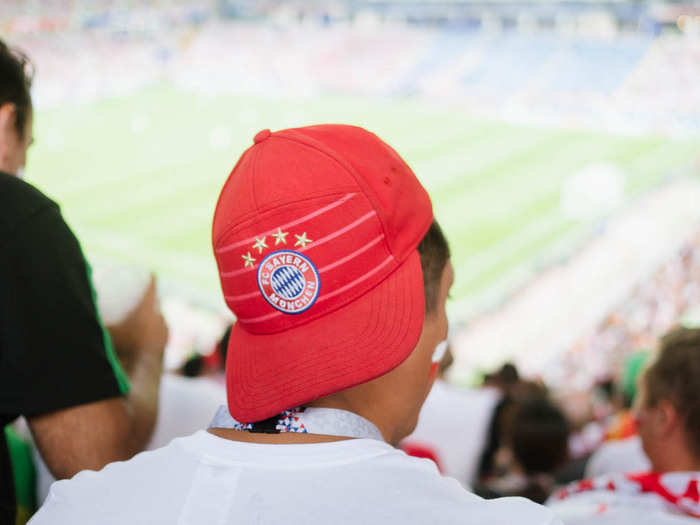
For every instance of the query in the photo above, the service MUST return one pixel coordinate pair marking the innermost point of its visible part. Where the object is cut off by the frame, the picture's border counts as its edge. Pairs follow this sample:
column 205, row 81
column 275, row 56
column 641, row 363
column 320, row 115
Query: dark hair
column 222, row 345
column 434, row 254
column 675, row 376
column 508, row 374
column 540, row 435
column 16, row 74
column 193, row 366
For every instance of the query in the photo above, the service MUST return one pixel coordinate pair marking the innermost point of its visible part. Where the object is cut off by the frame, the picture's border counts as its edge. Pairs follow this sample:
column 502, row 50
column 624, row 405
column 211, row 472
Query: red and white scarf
column 677, row 490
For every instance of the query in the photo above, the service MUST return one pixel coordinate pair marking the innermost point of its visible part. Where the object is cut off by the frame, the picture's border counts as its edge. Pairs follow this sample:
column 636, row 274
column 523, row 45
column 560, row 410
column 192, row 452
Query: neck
column 678, row 464
column 676, row 458
column 8, row 169
column 287, row 438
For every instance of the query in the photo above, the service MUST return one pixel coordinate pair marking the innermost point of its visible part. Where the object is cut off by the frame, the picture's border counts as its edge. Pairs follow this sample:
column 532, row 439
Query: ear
column 8, row 133
column 668, row 417
column 8, row 136
column 7, row 116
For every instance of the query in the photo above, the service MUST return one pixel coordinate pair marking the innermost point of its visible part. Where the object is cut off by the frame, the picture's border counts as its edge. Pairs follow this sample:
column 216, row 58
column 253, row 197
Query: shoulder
column 149, row 480
column 384, row 485
column 19, row 201
column 419, row 488
column 19, row 198
column 173, row 457
column 624, row 455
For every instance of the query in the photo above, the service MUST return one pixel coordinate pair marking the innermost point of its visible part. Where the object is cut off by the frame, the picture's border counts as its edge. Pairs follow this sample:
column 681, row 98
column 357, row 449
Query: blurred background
column 559, row 140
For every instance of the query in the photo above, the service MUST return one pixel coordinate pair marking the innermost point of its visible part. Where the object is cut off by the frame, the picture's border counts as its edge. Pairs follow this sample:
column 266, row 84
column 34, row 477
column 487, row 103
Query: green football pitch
column 138, row 176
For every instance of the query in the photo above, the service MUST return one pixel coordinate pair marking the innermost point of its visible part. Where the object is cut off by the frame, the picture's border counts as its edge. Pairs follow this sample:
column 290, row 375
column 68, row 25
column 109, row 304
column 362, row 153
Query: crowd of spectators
column 654, row 307
column 632, row 83
column 530, row 444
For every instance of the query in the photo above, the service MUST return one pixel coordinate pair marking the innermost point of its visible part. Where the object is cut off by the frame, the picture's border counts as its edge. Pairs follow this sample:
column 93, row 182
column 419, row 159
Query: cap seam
column 345, row 165
column 254, row 174
column 221, row 195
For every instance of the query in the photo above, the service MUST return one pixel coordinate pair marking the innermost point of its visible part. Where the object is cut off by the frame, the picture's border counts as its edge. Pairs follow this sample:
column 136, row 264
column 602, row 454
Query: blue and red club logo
column 288, row 281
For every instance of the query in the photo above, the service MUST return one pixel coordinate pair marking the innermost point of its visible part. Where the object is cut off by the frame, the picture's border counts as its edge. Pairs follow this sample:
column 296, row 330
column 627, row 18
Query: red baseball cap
column 315, row 236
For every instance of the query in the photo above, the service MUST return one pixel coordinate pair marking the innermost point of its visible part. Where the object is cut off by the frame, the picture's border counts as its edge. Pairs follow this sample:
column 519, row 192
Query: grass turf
column 137, row 177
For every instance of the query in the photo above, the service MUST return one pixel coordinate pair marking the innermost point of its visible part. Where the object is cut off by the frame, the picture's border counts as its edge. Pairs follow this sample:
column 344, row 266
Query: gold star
column 259, row 245
column 280, row 237
column 248, row 260
column 302, row 240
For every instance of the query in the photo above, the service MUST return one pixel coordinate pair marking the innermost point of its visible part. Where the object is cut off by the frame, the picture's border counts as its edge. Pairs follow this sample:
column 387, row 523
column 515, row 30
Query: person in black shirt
column 58, row 366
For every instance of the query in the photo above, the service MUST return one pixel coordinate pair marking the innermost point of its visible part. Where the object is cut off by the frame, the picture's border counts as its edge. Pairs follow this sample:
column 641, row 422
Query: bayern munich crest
column 288, row 281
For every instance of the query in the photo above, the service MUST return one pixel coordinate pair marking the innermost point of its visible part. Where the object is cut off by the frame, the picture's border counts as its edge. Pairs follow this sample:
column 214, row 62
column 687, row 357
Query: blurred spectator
column 533, row 445
column 668, row 414
column 631, row 370
column 58, row 367
column 453, row 426
column 507, row 381
column 504, row 379
column 540, row 433
column 212, row 363
column 622, row 450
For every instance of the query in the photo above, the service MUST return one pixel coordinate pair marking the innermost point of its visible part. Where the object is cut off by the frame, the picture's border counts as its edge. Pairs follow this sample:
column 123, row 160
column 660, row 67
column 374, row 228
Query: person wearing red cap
column 338, row 275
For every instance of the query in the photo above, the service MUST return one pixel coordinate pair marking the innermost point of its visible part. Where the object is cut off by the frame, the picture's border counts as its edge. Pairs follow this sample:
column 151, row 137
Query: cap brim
column 266, row 374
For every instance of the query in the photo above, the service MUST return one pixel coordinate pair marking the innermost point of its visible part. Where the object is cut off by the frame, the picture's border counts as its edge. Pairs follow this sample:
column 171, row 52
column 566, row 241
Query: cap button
column 262, row 135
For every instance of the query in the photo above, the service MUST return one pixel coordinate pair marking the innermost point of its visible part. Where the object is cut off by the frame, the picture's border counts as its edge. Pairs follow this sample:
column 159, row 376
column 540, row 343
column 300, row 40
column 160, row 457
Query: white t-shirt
column 204, row 479
column 453, row 425
column 624, row 455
